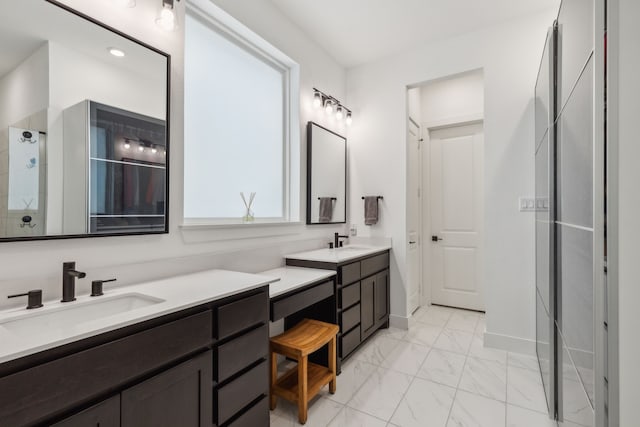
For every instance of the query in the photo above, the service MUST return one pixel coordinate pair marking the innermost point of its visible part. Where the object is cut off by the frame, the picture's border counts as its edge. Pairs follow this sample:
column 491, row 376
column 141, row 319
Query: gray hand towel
column 370, row 210
column 326, row 209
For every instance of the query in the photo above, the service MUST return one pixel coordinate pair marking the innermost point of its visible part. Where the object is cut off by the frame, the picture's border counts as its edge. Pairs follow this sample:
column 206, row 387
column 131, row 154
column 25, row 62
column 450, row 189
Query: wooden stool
column 302, row 383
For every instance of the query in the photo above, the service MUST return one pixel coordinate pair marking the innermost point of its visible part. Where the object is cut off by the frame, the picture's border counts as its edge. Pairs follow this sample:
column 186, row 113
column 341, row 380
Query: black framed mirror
column 84, row 127
column 326, row 176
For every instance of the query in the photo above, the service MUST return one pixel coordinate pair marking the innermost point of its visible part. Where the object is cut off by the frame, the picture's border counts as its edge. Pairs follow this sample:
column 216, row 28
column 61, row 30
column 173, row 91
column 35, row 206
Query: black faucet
column 69, row 274
column 336, row 239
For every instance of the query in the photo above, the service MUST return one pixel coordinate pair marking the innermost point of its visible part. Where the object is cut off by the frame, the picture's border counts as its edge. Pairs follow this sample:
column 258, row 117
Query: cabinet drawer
column 241, row 391
column 350, row 273
column 242, row 314
column 375, row 264
column 349, row 342
column 350, row 295
column 62, row 384
column 350, row 317
column 258, row 415
column 241, row 352
column 288, row 305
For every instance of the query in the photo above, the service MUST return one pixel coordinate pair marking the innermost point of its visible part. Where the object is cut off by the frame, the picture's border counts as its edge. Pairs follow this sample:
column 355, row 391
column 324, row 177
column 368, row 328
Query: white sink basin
column 71, row 314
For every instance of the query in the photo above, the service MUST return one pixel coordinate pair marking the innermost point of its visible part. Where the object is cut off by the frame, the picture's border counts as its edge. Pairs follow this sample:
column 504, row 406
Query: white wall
column 509, row 55
column 37, row 264
column 75, row 77
column 25, row 89
column 24, row 92
column 629, row 208
column 414, row 103
column 454, row 98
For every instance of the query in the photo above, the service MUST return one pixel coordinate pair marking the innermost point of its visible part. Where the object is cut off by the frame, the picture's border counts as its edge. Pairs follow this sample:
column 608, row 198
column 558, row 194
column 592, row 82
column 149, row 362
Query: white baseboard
column 509, row 343
column 399, row 322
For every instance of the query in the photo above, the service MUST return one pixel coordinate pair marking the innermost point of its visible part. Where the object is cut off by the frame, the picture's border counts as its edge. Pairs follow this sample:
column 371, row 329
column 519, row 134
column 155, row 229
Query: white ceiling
column 28, row 24
column 359, row 31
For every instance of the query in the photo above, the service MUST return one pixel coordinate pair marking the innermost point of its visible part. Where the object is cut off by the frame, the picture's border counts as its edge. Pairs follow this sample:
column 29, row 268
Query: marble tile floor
column 437, row 374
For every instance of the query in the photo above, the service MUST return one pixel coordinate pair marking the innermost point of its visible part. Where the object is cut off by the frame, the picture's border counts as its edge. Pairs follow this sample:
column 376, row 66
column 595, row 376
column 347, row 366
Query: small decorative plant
column 248, row 215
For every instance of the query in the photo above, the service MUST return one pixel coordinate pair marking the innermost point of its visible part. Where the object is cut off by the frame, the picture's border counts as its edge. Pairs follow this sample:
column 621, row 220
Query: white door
column 456, row 171
column 414, row 216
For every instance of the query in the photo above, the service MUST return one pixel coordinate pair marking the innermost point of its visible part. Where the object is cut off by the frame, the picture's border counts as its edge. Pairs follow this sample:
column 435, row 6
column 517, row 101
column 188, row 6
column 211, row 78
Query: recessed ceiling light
column 116, row 52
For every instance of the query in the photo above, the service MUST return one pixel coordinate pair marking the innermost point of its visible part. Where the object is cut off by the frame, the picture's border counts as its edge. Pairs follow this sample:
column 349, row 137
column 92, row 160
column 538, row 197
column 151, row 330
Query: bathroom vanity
column 199, row 339
column 362, row 289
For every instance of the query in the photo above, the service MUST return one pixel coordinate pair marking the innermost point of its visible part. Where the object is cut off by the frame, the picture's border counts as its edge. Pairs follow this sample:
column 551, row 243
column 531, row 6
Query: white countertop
column 294, row 277
column 339, row 255
column 176, row 294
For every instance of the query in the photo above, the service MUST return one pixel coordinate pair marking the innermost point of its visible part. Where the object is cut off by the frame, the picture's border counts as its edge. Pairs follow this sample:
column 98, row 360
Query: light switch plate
column 354, row 230
column 527, row 204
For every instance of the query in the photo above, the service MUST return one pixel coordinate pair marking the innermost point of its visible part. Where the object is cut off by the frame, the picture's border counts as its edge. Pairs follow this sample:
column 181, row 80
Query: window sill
column 238, row 225
column 207, row 232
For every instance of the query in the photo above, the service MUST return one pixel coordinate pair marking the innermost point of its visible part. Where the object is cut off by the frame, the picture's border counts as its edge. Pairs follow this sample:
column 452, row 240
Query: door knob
column 435, row 238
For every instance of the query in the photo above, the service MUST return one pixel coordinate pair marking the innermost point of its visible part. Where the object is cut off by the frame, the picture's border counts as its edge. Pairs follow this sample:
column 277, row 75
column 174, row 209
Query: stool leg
column 332, row 364
column 302, row 390
column 274, row 379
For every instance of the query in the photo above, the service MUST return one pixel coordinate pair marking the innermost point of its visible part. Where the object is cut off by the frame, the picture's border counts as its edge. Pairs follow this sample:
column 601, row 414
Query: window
column 241, row 124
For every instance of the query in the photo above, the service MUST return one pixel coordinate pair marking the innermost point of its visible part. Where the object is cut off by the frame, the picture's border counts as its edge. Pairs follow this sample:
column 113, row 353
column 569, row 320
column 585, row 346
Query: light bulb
column 141, row 148
column 154, row 150
column 328, row 106
column 349, row 119
column 167, row 19
column 339, row 113
column 317, row 99
column 127, row 145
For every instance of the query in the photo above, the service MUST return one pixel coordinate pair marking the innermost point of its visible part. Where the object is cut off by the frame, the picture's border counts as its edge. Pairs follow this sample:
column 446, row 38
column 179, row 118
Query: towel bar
column 379, row 197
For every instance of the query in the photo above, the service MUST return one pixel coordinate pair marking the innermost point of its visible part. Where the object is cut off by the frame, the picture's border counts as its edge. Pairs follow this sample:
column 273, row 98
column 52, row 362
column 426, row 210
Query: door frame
column 421, row 223
column 428, row 128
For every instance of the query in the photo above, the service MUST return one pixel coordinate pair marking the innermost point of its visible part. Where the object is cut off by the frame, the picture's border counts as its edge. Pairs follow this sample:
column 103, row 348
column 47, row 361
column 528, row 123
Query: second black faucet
column 336, row 239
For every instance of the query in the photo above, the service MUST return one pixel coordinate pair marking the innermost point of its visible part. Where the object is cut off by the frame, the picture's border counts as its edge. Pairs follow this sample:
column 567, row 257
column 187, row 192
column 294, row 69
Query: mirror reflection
column 326, row 176
column 83, row 127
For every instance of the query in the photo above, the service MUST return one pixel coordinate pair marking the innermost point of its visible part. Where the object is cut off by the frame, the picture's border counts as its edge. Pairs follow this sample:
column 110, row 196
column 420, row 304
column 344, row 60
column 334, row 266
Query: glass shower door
column 544, row 155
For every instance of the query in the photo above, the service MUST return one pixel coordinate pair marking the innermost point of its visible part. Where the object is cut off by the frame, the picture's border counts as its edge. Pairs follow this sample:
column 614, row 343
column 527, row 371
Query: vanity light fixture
column 154, row 150
column 116, row 52
column 167, row 18
column 126, row 144
column 331, row 105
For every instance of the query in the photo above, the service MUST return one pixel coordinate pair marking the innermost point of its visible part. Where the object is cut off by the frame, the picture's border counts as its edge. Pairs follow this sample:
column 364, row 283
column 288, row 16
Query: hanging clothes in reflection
column 143, row 190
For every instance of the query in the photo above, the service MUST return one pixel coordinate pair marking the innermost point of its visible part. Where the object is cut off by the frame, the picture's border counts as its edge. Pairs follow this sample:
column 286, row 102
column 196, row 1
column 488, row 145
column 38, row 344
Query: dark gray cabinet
column 175, row 370
column 179, row 396
column 367, row 304
column 381, row 297
column 362, row 297
column 241, row 370
column 374, row 302
column 103, row 414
